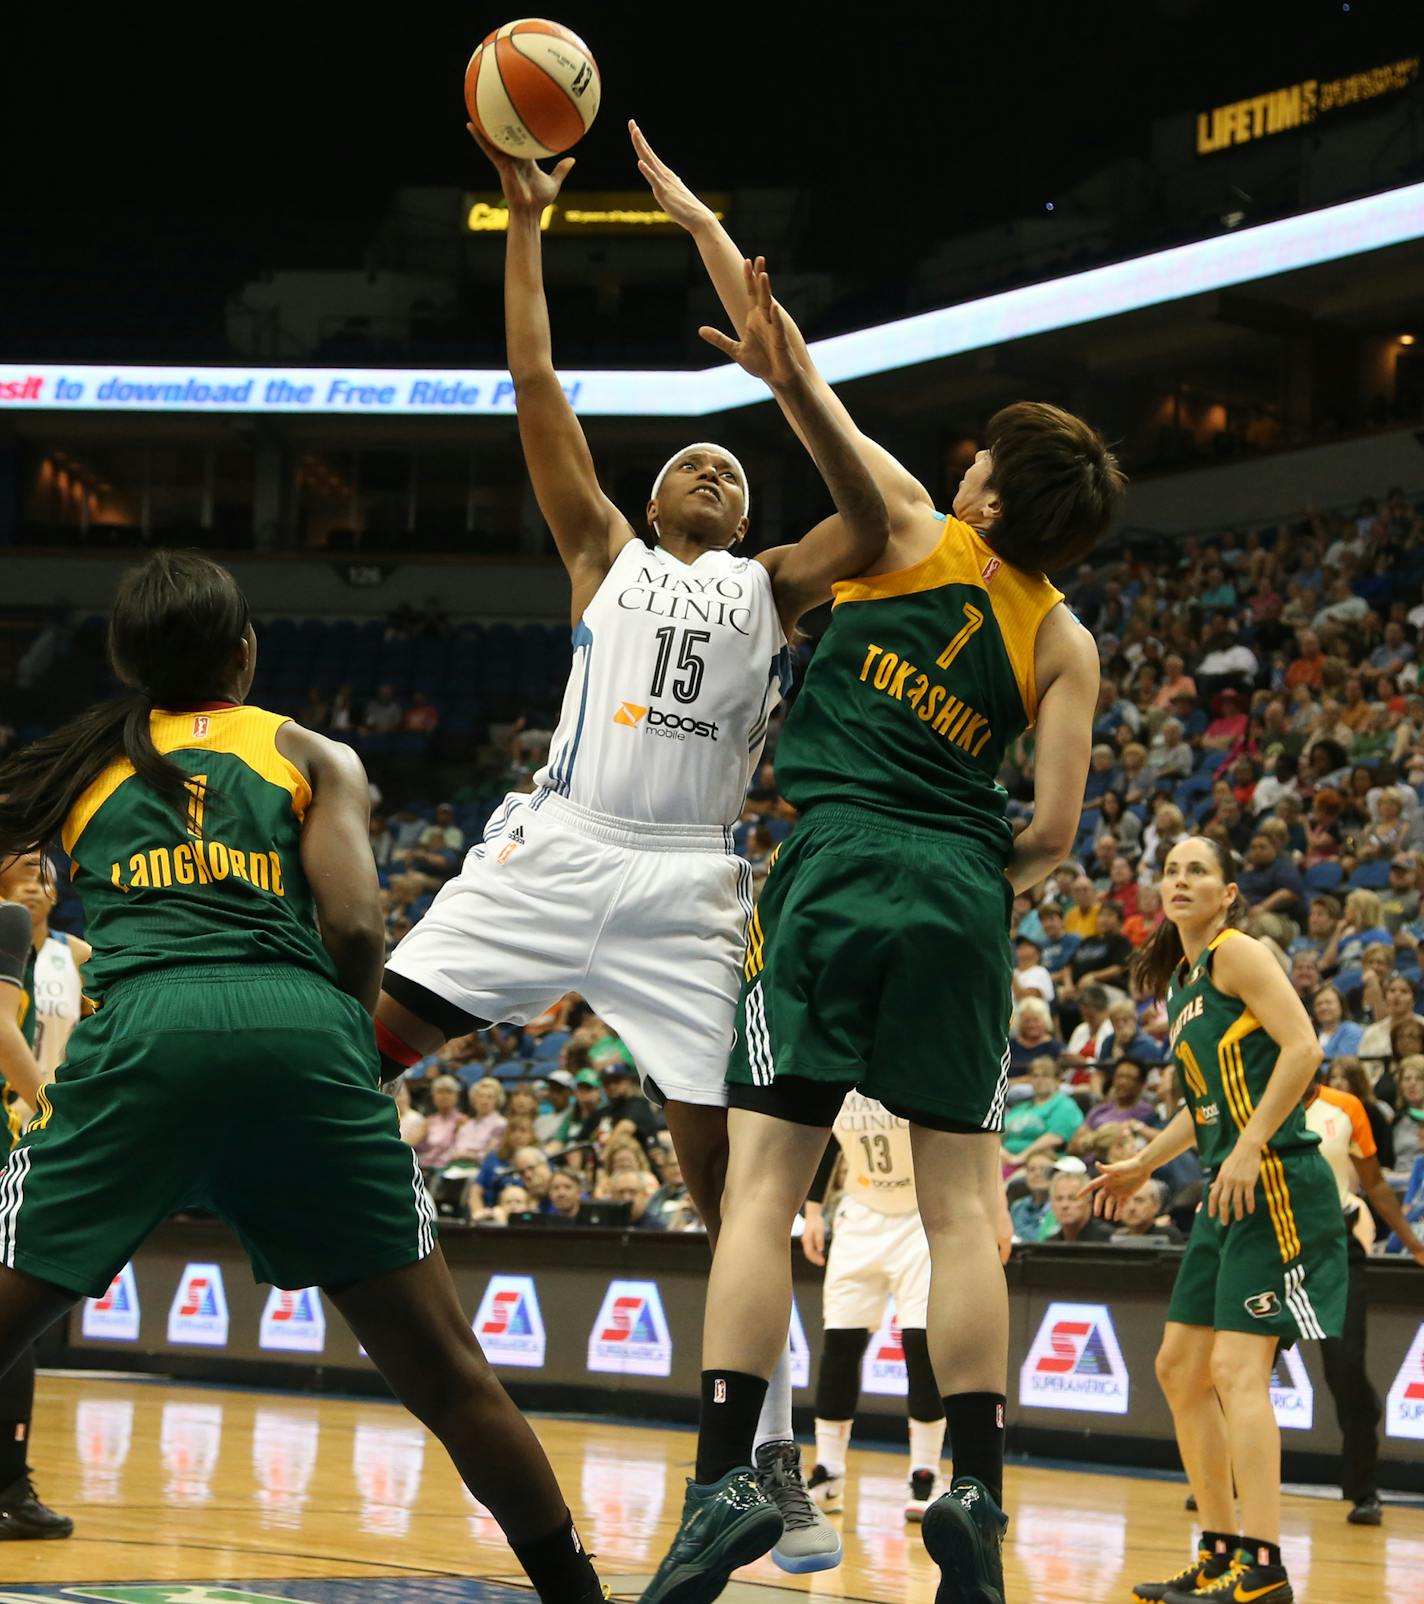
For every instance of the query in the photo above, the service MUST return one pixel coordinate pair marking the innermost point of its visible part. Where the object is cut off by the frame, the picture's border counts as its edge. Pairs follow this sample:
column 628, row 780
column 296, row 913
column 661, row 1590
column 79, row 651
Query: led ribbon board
column 1249, row 254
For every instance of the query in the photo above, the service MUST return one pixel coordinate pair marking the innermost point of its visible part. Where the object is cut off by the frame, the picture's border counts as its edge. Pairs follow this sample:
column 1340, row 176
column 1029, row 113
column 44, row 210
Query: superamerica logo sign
column 1075, row 1362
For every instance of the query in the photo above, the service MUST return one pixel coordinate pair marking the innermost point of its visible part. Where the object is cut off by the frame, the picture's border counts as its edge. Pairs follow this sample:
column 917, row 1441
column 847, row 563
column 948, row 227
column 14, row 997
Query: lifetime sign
column 598, row 212
column 1280, row 110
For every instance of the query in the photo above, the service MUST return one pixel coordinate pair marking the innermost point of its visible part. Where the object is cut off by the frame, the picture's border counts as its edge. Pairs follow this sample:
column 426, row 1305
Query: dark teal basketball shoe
column 964, row 1533
column 725, row 1524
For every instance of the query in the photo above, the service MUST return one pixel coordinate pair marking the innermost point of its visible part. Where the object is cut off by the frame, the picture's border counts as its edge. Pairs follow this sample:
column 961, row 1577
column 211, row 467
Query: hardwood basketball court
column 291, row 1496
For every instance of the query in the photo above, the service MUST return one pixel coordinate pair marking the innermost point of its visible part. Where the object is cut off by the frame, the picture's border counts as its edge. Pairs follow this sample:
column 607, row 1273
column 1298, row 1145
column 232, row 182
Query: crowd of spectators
column 543, row 1123
column 1263, row 689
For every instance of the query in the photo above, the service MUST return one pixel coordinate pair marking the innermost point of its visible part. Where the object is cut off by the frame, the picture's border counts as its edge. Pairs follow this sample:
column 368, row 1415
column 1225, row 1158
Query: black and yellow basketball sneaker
column 1245, row 1581
column 725, row 1524
column 1213, row 1559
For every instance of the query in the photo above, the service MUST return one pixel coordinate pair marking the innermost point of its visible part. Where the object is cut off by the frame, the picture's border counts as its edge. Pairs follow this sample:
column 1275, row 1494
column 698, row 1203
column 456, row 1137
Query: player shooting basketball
column 617, row 877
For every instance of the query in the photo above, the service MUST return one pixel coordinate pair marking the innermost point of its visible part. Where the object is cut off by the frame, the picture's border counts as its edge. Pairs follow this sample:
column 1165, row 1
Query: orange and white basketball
column 532, row 88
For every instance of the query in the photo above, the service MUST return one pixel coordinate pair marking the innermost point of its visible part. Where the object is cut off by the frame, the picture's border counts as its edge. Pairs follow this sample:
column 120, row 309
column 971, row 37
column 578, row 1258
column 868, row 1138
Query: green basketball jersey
column 1225, row 1057
column 223, row 884
column 918, row 687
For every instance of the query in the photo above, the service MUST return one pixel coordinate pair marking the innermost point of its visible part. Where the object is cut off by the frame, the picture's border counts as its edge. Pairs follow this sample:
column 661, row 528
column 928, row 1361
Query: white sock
column 926, row 1445
column 832, row 1442
column 774, row 1422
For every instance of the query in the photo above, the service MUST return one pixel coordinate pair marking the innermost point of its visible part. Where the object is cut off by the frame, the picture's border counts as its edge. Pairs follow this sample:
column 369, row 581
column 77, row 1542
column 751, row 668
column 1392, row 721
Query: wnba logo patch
column 200, row 725
column 991, row 568
column 631, row 714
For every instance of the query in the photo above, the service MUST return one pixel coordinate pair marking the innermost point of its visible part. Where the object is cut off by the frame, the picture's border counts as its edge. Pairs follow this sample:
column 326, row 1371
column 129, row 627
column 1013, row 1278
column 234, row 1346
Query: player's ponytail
column 175, row 627
column 1156, row 959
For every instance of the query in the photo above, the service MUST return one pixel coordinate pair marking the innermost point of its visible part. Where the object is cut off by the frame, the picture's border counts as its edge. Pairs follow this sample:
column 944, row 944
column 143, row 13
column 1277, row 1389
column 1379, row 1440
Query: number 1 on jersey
column 690, row 665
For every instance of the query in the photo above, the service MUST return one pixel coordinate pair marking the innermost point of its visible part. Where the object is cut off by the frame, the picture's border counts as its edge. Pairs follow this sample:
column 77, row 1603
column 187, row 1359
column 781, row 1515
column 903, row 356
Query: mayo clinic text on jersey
column 716, row 599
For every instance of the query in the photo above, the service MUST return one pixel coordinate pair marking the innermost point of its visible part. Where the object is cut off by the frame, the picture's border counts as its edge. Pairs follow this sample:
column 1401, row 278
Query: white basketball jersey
column 677, row 668
column 879, row 1165
column 57, row 999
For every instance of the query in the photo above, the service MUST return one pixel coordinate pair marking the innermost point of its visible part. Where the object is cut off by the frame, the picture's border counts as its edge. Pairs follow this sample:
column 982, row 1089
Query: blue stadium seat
column 1373, row 876
column 1321, row 878
column 1347, row 979
column 547, row 1048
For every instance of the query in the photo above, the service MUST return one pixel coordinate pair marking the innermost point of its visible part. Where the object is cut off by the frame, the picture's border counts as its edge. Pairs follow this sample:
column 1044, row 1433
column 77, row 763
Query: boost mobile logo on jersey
column 883, row 1368
column 293, row 1322
column 1075, row 1362
column 1292, row 1395
column 198, row 1313
column 630, row 1336
column 1404, row 1413
column 114, row 1317
column 509, row 1324
column 800, row 1351
column 670, row 726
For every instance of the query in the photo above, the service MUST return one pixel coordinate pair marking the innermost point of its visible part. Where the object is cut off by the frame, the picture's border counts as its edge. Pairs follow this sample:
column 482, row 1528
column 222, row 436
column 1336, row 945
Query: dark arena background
column 251, row 275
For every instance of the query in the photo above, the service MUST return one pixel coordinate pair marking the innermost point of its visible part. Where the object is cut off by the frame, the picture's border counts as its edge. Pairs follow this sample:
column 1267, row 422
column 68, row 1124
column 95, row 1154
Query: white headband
column 705, row 445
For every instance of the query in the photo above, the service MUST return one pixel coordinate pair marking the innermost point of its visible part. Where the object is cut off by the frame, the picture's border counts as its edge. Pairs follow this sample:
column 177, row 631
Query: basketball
column 532, row 88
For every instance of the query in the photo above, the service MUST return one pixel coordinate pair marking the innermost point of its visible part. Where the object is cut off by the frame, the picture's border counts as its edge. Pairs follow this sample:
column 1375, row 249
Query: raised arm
column 1066, row 668
column 903, row 493
column 843, row 546
column 588, row 529
column 337, row 860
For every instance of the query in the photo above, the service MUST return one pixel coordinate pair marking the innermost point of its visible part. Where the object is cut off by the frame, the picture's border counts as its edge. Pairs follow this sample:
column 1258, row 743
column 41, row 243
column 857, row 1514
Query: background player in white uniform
column 54, row 980
column 59, row 994
column 617, row 878
column 878, row 1250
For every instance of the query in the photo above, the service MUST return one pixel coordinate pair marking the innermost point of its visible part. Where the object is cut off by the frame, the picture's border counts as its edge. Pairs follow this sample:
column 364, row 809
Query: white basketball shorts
column 647, row 922
column 874, row 1256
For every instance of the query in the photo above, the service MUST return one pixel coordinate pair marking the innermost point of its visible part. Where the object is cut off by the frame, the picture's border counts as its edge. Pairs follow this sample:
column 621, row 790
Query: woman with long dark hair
column 1266, row 1258
column 230, row 895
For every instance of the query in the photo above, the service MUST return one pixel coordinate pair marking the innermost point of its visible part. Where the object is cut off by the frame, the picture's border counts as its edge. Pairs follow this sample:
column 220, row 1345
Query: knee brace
column 924, row 1399
column 838, row 1384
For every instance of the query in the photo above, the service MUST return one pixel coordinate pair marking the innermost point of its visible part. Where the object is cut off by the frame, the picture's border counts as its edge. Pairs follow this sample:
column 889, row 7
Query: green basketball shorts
column 1279, row 1272
column 251, row 1091
column 878, row 957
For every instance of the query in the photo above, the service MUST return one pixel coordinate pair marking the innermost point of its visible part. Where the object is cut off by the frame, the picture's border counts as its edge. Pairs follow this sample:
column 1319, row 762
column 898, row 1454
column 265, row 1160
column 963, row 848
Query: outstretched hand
column 671, row 194
column 526, row 186
column 764, row 350
column 1111, row 1187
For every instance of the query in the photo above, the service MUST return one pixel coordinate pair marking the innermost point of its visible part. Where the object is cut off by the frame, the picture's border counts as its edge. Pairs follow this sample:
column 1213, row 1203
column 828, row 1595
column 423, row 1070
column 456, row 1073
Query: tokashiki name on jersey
column 897, row 677
column 687, row 597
